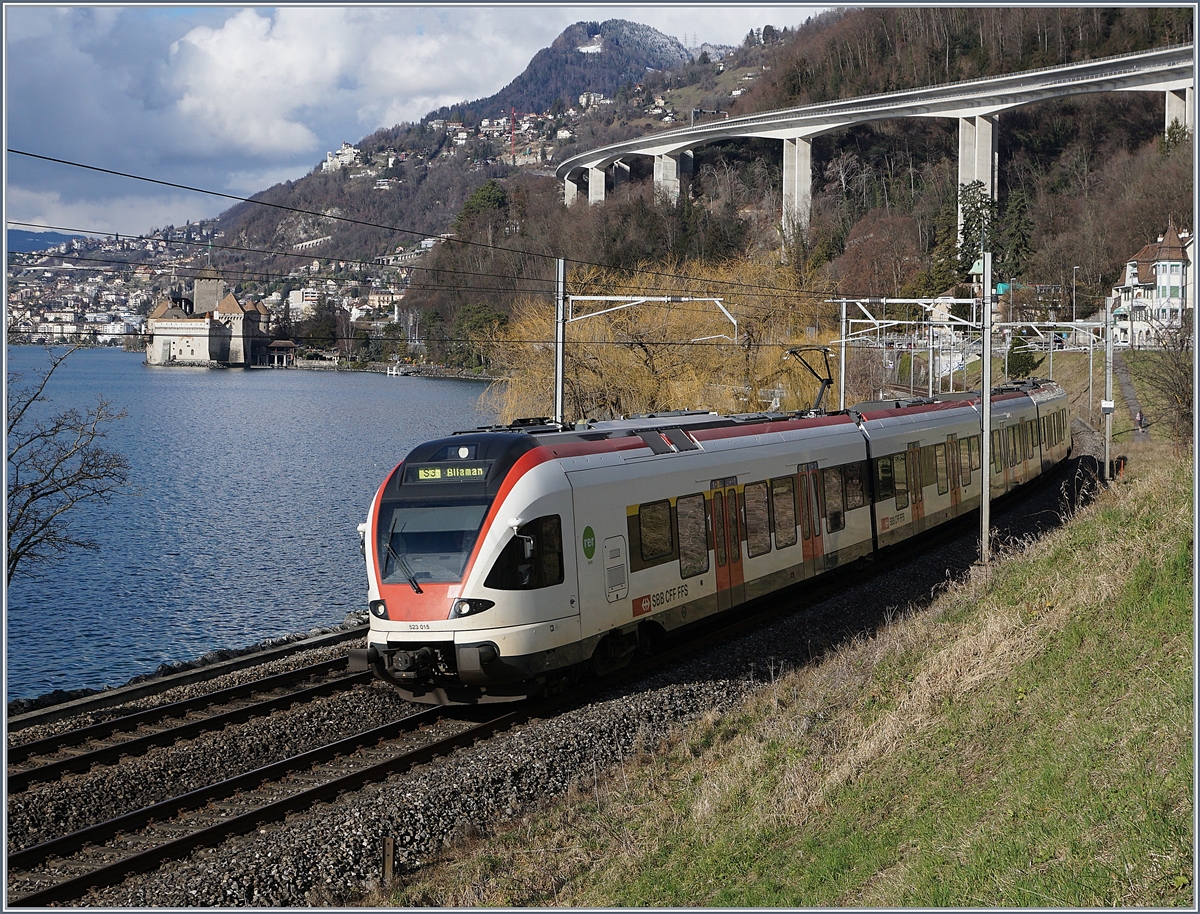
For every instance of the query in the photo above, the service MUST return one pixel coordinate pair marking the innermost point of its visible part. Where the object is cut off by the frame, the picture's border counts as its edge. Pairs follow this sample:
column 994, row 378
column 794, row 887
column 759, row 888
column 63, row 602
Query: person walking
column 1140, row 420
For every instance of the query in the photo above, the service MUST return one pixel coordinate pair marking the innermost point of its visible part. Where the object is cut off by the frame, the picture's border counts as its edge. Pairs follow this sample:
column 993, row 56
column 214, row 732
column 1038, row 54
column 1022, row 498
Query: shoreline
column 406, row 371
column 20, row 706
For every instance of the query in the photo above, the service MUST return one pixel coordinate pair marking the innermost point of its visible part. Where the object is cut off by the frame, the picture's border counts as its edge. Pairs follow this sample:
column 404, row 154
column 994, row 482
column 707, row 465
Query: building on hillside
column 345, row 157
column 1156, row 294
column 181, row 331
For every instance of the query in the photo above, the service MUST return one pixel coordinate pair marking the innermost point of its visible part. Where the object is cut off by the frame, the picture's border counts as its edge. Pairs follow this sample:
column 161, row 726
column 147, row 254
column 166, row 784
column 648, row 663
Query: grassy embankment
column 1027, row 743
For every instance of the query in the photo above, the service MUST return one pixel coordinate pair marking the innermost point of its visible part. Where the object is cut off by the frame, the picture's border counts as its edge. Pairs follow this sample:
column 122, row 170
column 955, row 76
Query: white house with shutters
column 1157, row 293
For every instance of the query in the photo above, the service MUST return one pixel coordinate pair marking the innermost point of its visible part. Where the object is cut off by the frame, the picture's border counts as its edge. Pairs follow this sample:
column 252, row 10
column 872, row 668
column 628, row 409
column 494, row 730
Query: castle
column 211, row 328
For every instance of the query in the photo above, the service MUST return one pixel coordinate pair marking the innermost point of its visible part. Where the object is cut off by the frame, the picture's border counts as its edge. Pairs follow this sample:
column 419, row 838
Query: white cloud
column 130, row 214
column 222, row 97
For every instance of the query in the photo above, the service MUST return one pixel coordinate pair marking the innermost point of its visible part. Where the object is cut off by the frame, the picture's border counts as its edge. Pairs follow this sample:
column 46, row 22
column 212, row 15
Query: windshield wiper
column 399, row 559
column 408, row 572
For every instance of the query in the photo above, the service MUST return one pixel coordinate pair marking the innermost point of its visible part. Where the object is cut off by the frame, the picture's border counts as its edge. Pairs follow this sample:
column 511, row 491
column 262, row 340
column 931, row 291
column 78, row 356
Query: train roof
column 674, row 431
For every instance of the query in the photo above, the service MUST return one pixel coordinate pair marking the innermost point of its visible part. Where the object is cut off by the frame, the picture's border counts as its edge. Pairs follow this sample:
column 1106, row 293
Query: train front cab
column 471, row 571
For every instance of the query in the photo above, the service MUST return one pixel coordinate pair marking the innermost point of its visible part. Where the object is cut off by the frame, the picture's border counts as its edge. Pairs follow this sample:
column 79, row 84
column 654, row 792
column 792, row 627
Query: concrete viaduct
column 975, row 103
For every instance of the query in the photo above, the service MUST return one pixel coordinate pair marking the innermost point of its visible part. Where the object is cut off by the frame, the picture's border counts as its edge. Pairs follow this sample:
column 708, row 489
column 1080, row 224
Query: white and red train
column 501, row 560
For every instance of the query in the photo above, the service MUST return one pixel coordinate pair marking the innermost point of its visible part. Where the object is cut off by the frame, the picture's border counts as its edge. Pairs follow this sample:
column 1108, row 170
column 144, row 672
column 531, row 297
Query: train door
column 916, row 486
column 953, row 471
column 814, row 544
column 737, row 590
column 727, row 544
column 721, row 548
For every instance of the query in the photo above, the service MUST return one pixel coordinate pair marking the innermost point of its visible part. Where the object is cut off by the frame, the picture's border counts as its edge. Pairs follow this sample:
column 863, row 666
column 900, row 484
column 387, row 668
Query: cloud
column 219, row 97
column 129, row 214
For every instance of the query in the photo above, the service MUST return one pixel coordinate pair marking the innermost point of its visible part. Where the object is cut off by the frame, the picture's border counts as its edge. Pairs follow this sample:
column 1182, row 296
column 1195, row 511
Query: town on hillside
column 56, row 297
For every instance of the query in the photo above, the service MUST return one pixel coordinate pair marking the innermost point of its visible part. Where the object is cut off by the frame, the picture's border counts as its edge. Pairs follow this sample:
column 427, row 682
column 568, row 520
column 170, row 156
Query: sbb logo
column 641, row 606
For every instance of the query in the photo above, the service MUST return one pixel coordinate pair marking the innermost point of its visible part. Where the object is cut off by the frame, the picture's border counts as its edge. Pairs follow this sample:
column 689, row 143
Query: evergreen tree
column 1014, row 246
column 944, row 259
column 978, row 221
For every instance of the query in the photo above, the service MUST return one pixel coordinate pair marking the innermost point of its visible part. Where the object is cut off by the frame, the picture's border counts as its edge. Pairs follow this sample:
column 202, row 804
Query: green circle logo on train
column 589, row 542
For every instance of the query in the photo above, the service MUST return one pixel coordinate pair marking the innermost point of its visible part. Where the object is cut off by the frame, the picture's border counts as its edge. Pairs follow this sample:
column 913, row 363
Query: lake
column 252, row 484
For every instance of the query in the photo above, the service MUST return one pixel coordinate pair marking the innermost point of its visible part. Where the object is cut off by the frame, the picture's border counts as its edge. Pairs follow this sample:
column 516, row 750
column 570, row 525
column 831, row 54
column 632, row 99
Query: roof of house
column 169, row 310
column 230, row 305
column 1168, row 247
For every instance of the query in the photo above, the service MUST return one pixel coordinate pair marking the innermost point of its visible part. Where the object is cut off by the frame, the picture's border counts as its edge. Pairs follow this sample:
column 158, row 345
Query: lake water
column 252, row 485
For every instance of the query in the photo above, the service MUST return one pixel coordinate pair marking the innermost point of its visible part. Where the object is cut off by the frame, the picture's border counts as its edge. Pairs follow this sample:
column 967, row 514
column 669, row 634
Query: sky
column 237, row 98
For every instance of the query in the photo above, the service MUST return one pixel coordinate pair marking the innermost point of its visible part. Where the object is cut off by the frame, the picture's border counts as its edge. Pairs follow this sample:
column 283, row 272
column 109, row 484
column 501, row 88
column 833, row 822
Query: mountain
column 428, row 175
column 586, row 57
column 20, row 241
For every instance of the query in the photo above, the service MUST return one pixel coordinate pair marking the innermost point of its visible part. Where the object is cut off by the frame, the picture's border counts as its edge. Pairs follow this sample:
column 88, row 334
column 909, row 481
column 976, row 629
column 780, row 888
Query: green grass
column 1022, row 743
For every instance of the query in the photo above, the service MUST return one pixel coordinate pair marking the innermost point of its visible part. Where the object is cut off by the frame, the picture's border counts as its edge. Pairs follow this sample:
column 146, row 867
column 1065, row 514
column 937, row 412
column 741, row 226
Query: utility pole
column 1107, row 405
column 985, row 422
column 1074, row 315
column 842, row 362
column 560, row 336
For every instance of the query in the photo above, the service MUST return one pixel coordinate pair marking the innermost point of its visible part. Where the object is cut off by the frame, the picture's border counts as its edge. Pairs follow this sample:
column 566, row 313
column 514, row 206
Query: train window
column 997, row 451
column 805, row 510
column 964, row 462
column 927, row 469
column 900, row 475
column 975, row 447
column 783, row 501
column 942, row 468
column 427, row 542
column 1036, row 429
column 532, row 559
column 735, row 537
column 856, row 489
column 885, row 487
column 835, row 514
column 693, row 536
column 758, row 519
column 654, row 525
column 718, row 508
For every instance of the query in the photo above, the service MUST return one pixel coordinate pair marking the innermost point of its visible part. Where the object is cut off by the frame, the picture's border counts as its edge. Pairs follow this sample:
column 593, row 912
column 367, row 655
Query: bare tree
column 54, row 464
column 1168, row 371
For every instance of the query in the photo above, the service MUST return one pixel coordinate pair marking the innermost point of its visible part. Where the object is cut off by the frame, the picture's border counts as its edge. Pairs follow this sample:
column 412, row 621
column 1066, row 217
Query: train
column 506, row 560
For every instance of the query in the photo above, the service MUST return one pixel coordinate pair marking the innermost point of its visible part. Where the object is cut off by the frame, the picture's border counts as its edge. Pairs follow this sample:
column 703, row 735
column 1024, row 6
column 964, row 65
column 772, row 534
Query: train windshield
column 427, row 542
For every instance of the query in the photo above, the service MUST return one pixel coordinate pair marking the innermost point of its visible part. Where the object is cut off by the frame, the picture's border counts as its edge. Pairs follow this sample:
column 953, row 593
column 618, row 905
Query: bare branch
column 54, row 465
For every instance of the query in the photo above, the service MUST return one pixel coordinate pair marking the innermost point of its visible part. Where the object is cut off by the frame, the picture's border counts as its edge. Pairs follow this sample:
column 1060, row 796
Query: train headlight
column 378, row 609
column 469, row 607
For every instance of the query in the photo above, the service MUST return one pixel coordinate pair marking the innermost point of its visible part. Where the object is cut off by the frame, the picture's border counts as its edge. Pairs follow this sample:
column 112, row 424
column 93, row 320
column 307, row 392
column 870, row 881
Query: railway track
column 64, row 869
column 108, row 741
column 67, row 868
